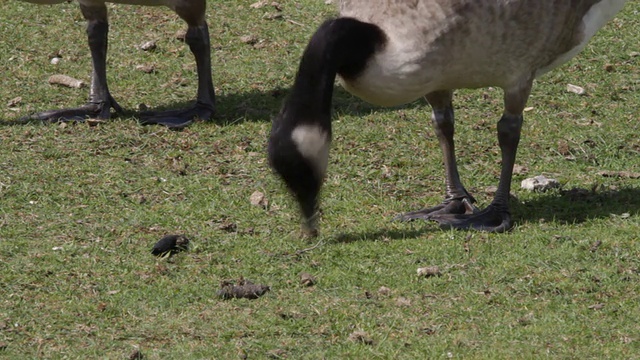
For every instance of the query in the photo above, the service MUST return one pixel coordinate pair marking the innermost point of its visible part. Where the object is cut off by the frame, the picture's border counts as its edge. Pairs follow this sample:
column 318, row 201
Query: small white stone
column 429, row 271
column 539, row 183
column 259, row 199
column 576, row 89
column 55, row 60
column 148, row 45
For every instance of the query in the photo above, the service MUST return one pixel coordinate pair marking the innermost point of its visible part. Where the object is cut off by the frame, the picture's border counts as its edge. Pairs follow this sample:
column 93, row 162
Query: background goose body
column 94, row 2
column 100, row 99
column 390, row 52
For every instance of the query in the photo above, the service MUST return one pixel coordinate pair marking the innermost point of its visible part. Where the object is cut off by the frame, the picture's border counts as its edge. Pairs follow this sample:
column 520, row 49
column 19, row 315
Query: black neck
column 341, row 46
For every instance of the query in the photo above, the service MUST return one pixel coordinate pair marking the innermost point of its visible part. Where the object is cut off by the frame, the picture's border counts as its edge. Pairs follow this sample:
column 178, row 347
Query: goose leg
column 457, row 199
column 197, row 38
column 100, row 100
column 496, row 216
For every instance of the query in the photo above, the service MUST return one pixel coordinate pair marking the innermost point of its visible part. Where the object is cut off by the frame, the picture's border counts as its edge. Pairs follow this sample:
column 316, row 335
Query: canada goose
column 391, row 52
column 101, row 101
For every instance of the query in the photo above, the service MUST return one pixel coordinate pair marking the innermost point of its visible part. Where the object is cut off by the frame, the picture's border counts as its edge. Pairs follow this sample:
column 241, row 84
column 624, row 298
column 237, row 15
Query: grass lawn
column 81, row 206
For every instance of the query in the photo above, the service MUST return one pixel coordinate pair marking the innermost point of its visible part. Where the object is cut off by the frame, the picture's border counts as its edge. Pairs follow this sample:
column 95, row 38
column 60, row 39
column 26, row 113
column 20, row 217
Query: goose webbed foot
column 461, row 206
column 91, row 110
column 177, row 119
column 491, row 219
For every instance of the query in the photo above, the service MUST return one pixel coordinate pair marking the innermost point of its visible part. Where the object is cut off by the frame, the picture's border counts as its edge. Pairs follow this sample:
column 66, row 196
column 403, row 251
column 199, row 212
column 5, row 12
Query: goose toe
column 177, row 119
column 462, row 206
column 491, row 219
column 93, row 110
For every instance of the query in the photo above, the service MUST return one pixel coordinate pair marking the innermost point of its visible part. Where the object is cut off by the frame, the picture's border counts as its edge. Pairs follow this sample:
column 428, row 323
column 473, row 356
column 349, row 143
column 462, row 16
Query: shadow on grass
column 387, row 234
column 578, row 205
column 254, row 106
column 565, row 207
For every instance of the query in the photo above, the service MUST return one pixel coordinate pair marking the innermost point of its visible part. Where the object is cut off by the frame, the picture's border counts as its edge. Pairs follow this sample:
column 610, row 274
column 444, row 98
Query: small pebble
column 576, row 89
column 307, row 279
column 429, row 271
column 259, row 199
column 539, row 183
column 148, row 46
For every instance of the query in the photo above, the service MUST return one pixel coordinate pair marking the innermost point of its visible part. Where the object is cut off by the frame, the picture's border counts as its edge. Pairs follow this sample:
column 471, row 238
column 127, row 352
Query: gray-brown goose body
column 100, row 99
column 390, row 52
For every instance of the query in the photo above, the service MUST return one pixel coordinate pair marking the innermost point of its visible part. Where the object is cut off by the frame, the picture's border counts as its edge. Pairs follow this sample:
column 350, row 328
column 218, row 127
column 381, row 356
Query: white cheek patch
column 313, row 143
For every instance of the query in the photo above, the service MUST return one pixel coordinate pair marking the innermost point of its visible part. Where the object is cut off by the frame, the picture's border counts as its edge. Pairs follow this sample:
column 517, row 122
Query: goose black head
column 299, row 152
column 301, row 133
